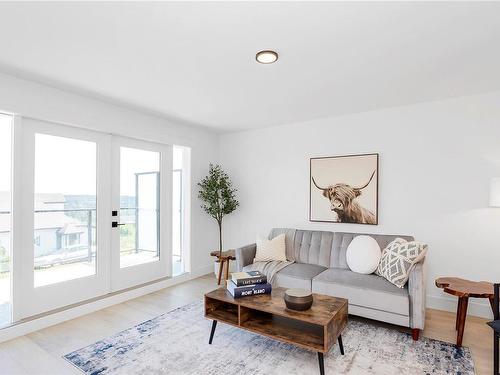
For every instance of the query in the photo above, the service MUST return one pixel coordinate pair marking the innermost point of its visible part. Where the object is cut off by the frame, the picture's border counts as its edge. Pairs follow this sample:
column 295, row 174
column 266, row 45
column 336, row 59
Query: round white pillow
column 363, row 255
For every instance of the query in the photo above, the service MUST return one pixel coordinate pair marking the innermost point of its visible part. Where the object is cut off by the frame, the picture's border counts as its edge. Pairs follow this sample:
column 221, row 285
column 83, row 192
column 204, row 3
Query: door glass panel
column 139, row 206
column 65, row 209
column 5, row 219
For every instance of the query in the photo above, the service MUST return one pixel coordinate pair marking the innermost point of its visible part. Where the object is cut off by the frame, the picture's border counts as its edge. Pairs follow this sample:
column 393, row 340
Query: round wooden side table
column 464, row 289
column 225, row 258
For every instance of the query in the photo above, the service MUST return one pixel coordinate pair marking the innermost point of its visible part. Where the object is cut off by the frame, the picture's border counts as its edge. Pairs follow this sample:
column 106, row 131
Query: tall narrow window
column 180, row 202
column 5, row 218
column 65, row 209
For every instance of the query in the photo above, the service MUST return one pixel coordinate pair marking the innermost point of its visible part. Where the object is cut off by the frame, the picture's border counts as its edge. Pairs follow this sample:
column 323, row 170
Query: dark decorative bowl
column 298, row 299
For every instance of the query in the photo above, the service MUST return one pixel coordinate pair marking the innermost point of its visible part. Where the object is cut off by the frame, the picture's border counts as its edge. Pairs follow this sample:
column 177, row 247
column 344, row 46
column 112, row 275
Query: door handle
column 114, row 224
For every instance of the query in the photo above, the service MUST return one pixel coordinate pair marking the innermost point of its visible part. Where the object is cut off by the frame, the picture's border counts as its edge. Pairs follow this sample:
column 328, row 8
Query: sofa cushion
column 370, row 291
column 313, row 247
column 298, row 275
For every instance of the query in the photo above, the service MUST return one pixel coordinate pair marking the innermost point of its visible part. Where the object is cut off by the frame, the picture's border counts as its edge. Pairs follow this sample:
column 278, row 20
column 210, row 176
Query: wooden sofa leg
column 415, row 332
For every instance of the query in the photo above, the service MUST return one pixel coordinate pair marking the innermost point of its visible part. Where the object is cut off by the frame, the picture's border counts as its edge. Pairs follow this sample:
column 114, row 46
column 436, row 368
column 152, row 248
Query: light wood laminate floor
column 41, row 352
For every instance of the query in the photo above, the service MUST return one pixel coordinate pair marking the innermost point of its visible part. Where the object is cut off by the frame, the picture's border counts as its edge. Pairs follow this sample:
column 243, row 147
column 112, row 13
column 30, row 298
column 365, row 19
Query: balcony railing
column 83, row 223
column 78, row 218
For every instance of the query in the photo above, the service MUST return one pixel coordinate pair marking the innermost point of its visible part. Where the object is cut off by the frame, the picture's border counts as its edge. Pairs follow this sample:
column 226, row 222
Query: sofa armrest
column 416, row 289
column 245, row 256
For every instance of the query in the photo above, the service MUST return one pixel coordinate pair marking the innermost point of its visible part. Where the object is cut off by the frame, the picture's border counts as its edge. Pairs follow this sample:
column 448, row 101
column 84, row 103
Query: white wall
column 31, row 99
column 436, row 161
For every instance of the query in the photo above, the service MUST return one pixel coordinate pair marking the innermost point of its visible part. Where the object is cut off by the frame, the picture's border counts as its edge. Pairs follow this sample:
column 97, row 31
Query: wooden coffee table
column 465, row 289
column 316, row 329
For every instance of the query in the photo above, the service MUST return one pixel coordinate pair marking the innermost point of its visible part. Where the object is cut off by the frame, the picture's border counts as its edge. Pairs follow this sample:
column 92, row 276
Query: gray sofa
column 321, row 266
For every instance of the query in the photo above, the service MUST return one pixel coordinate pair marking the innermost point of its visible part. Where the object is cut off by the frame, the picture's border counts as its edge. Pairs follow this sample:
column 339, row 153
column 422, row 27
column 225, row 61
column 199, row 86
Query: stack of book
column 248, row 284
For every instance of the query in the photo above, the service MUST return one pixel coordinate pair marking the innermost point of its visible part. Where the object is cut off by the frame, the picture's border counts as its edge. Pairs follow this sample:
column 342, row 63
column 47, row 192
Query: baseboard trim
column 479, row 307
column 51, row 318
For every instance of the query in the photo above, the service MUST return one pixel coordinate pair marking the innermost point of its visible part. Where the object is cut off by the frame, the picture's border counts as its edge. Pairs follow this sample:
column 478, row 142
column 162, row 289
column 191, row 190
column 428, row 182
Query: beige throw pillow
column 274, row 249
column 399, row 258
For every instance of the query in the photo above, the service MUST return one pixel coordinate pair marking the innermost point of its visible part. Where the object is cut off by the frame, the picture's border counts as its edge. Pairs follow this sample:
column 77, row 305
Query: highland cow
column 342, row 199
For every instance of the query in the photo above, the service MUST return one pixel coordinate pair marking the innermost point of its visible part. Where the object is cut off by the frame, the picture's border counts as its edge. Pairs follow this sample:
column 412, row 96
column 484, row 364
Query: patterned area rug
column 177, row 343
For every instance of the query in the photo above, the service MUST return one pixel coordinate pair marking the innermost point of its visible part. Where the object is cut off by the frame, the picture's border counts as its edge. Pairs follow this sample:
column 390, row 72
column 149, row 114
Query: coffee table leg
column 321, row 364
column 463, row 301
column 341, row 345
column 214, row 324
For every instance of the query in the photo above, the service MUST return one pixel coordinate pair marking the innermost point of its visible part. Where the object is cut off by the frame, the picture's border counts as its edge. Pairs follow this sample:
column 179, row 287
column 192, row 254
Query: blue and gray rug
column 177, row 343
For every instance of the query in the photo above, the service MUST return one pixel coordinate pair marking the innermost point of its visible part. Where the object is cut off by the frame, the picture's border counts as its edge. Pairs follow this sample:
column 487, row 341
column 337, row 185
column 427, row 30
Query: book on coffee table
column 248, row 278
column 247, row 290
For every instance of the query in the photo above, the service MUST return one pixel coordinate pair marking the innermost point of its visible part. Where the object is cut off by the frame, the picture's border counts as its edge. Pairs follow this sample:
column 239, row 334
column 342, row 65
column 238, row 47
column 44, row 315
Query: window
column 180, row 193
column 5, row 218
column 70, row 240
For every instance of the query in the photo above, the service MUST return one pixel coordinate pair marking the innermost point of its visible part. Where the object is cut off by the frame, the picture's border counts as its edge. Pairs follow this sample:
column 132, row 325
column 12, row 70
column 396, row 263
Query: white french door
column 65, row 211
column 95, row 215
column 141, row 203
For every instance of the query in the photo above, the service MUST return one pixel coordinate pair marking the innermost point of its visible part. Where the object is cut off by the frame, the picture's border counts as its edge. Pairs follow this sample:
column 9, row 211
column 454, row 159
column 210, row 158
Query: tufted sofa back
column 327, row 249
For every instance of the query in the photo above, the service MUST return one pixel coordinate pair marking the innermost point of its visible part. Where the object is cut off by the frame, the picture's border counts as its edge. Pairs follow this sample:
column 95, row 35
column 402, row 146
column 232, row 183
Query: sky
column 64, row 165
column 68, row 166
column 135, row 161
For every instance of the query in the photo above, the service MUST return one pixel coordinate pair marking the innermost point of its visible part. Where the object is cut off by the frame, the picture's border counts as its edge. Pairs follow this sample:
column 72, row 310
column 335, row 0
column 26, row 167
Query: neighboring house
column 58, row 237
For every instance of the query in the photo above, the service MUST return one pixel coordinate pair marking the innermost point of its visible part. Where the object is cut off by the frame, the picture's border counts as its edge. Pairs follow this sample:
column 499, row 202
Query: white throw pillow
column 274, row 249
column 363, row 255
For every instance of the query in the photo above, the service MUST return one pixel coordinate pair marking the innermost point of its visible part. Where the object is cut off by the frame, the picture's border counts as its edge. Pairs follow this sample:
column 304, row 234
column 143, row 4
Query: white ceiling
column 195, row 61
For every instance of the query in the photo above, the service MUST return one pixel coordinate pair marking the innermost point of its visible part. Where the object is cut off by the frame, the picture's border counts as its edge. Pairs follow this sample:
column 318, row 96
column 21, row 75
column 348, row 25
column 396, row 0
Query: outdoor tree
column 218, row 196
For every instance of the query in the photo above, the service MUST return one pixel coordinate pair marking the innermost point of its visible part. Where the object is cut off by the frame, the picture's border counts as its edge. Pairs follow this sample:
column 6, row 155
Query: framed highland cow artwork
column 344, row 189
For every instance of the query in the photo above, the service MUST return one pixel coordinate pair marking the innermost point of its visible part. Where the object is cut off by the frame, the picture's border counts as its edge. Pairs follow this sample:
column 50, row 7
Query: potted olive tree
column 218, row 197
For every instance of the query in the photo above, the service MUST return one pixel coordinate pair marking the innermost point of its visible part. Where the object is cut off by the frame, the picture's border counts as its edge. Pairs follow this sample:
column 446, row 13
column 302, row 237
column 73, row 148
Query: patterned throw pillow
column 399, row 258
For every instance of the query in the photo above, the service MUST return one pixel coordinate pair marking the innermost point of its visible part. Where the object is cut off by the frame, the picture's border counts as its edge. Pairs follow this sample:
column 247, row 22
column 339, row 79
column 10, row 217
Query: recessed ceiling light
column 266, row 57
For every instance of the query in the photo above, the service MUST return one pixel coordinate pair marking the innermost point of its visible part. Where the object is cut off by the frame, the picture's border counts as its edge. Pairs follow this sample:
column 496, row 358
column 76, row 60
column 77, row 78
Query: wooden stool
column 224, row 258
column 464, row 289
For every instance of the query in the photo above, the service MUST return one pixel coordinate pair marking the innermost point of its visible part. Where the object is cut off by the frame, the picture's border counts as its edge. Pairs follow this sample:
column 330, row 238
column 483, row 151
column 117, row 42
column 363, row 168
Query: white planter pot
column 232, row 268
